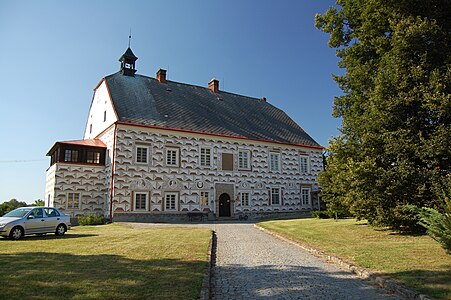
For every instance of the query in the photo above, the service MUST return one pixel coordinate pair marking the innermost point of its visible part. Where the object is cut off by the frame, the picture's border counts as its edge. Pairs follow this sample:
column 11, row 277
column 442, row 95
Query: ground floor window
column 171, row 201
column 204, row 196
column 245, row 199
column 73, row 200
column 140, row 201
column 305, row 196
column 275, row 196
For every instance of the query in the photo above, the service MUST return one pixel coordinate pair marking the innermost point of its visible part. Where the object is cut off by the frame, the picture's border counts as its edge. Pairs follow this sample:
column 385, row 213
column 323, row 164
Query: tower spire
column 129, row 38
column 128, row 60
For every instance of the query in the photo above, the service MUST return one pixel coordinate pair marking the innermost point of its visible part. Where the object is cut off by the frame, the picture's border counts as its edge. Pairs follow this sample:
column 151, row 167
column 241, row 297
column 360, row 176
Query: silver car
column 33, row 220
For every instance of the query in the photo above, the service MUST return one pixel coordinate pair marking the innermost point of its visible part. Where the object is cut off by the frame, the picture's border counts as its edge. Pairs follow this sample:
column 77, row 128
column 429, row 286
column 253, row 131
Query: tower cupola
column 128, row 60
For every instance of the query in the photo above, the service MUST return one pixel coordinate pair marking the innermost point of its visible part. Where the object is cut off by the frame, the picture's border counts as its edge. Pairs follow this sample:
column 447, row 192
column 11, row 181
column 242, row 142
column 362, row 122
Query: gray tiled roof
column 144, row 100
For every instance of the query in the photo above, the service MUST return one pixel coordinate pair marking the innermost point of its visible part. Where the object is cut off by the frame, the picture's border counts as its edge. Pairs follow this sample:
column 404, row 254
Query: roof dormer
column 128, row 60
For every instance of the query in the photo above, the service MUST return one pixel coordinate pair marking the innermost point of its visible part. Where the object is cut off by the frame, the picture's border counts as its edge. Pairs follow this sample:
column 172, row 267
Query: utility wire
column 21, row 160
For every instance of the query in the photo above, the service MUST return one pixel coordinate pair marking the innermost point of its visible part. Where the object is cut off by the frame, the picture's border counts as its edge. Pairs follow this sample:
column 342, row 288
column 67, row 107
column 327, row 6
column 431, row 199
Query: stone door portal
column 224, row 205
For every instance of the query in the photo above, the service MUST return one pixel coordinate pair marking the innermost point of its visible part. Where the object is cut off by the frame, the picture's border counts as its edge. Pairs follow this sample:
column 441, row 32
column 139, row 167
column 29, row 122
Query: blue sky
column 53, row 53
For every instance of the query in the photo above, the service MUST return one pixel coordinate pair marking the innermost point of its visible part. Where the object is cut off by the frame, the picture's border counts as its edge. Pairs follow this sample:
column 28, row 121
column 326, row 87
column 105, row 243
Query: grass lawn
column 417, row 261
column 105, row 262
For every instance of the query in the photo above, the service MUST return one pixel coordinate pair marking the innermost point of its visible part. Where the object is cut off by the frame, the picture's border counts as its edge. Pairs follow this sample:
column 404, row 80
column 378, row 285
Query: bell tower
column 128, row 60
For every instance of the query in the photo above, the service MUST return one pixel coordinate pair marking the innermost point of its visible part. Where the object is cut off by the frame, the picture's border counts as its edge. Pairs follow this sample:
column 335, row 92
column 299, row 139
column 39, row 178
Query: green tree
column 394, row 148
column 39, row 202
column 10, row 205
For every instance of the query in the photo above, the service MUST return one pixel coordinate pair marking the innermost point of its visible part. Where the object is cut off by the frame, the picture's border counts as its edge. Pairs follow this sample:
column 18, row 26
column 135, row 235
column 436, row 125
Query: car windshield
column 18, row 212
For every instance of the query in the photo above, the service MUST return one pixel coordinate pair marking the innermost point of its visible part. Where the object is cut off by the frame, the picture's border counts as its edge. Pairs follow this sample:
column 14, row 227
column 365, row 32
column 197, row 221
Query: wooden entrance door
column 224, row 205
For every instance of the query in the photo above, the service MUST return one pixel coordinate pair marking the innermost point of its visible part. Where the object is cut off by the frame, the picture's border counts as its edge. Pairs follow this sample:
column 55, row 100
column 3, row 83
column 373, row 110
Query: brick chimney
column 213, row 85
column 161, row 76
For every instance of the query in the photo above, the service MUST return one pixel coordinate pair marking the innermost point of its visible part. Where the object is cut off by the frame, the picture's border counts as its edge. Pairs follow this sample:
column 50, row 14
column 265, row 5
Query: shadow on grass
column 42, row 275
column 51, row 236
column 433, row 283
column 407, row 233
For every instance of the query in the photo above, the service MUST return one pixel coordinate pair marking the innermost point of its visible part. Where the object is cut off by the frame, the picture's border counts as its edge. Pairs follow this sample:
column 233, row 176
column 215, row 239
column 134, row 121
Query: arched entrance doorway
column 224, row 205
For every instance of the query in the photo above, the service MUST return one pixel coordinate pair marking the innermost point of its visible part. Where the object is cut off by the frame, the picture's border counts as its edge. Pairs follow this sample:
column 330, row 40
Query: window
column 171, row 201
column 141, row 154
column 90, row 128
column 243, row 159
column 304, row 163
column 172, row 157
column 274, row 161
column 244, row 199
column 73, row 200
column 305, row 196
column 108, row 157
column 227, row 161
column 204, row 196
column 92, row 157
column 51, row 212
column 104, row 116
column 275, row 196
column 140, row 201
column 205, row 157
column 37, row 213
column 71, row 155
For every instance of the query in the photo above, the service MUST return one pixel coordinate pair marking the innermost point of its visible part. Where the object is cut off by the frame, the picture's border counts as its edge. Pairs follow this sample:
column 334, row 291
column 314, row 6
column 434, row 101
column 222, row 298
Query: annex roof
column 86, row 143
column 144, row 100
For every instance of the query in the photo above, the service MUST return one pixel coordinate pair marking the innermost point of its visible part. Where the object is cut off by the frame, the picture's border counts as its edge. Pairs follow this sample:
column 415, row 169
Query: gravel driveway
column 253, row 265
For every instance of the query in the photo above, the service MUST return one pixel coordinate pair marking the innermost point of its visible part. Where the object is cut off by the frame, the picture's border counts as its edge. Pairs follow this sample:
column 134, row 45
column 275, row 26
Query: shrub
column 406, row 218
column 438, row 225
column 90, row 220
column 320, row 214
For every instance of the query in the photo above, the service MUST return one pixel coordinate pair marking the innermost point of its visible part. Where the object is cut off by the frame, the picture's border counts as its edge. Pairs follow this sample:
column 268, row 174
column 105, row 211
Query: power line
column 21, row 160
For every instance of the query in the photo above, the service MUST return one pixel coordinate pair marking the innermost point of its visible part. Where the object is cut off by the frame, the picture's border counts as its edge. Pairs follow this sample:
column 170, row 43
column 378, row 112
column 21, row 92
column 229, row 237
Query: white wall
column 101, row 103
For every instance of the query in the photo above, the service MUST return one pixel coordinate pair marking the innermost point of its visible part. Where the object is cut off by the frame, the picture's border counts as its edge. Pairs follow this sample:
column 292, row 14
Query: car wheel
column 16, row 233
column 60, row 230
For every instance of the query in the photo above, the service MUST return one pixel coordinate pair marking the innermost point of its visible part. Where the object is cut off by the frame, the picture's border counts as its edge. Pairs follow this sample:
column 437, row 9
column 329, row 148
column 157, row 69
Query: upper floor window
column 104, row 116
column 205, row 157
column 274, row 161
column 305, row 196
column 171, row 201
column 244, row 199
column 204, row 196
column 172, row 157
column 244, row 159
column 304, row 161
column 142, row 154
column 275, row 196
column 73, row 200
column 70, row 155
column 227, row 161
column 92, row 157
column 140, row 201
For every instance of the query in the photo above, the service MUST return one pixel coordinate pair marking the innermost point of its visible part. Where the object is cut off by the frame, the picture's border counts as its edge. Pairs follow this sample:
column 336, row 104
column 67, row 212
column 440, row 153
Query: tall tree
column 395, row 142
